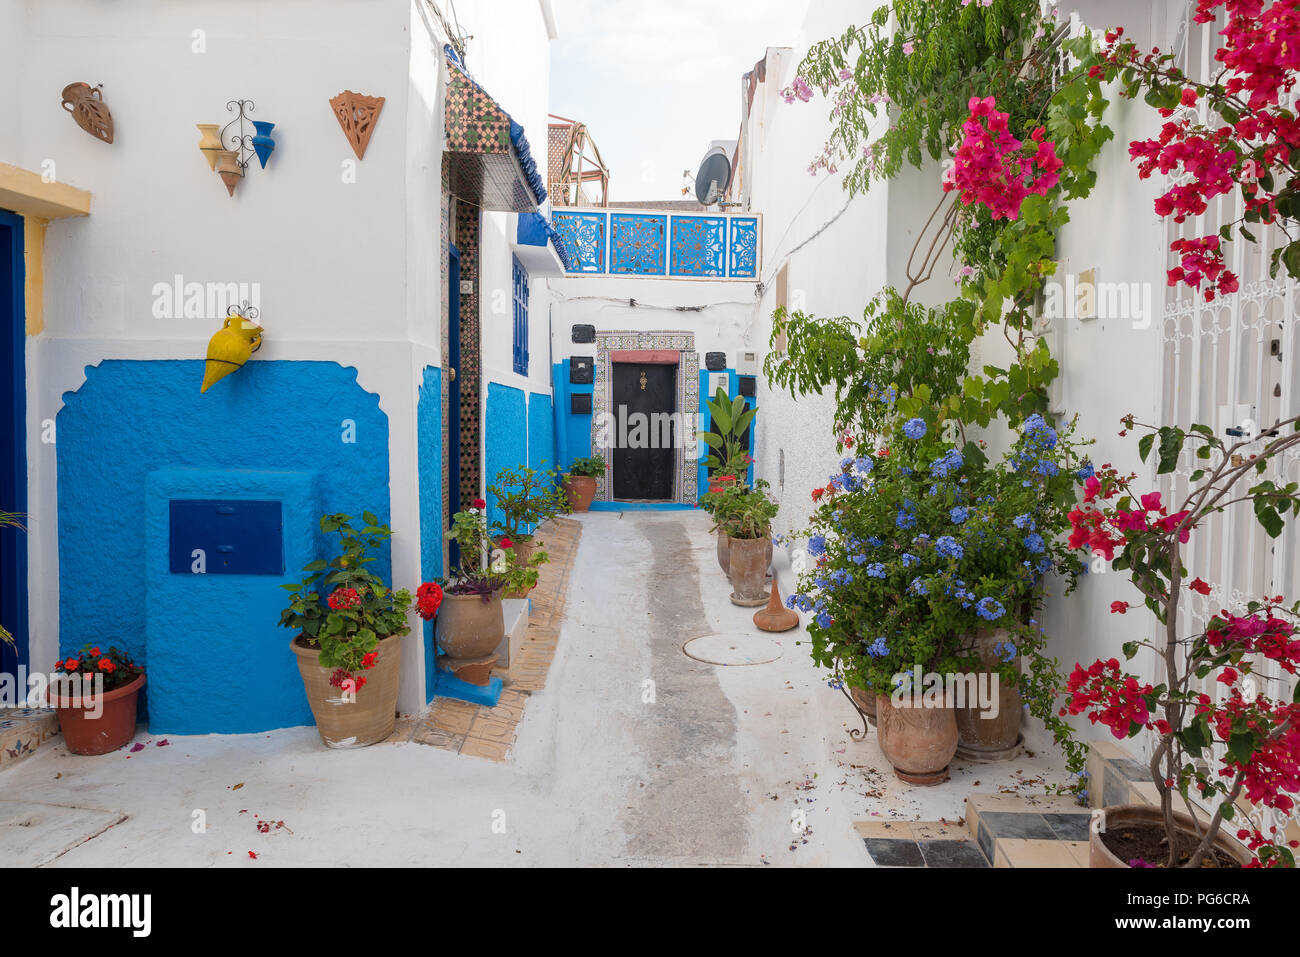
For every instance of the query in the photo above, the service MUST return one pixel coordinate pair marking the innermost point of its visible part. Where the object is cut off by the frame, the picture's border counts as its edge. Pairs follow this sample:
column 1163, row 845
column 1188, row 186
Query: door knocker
column 643, row 380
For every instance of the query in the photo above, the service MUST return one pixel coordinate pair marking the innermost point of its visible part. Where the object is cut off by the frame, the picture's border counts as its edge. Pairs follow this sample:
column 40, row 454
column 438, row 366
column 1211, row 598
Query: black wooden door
column 646, row 433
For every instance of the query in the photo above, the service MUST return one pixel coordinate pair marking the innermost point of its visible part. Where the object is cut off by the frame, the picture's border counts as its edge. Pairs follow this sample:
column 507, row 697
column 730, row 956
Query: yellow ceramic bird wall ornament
column 230, row 348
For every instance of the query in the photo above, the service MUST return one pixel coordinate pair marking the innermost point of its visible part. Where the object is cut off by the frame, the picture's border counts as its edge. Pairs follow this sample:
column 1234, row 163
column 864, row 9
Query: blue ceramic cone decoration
column 263, row 145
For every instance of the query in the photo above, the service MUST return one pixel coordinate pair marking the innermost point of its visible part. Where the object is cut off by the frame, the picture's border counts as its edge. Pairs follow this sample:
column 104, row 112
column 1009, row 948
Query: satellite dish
column 714, row 177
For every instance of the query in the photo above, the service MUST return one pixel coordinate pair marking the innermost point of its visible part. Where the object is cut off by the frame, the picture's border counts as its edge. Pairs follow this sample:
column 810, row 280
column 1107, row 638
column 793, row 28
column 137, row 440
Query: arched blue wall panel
column 139, row 433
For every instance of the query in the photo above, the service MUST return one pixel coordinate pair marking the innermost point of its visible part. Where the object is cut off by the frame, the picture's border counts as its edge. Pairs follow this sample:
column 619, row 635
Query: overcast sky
column 656, row 80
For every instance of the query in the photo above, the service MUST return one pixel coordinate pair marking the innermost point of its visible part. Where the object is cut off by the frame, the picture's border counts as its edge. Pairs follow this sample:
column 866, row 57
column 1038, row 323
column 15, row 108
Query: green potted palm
column 580, row 481
column 527, row 498
column 350, row 625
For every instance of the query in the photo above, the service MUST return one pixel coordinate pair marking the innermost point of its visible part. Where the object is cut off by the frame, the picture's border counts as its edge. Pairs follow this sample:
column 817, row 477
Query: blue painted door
column 453, row 396
column 13, row 443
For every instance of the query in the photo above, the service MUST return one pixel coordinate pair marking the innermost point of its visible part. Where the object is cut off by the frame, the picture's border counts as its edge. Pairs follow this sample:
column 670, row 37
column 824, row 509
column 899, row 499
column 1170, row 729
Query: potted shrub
column 580, row 481
column 928, row 560
column 728, row 463
column 527, row 498
column 746, row 519
column 1240, row 740
column 350, row 625
column 96, row 694
column 471, row 622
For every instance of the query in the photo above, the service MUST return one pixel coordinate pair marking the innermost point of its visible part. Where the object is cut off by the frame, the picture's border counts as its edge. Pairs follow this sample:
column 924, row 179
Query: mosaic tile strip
column 698, row 246
column 468, row 233
column 474, row 123
column 638, row 244
column 686, row 469
column 742, row 248
column 583, row 236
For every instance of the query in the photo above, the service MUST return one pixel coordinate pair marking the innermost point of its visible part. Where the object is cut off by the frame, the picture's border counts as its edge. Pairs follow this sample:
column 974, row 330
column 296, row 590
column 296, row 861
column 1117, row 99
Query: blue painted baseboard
column 641, row 507
column 447, row 685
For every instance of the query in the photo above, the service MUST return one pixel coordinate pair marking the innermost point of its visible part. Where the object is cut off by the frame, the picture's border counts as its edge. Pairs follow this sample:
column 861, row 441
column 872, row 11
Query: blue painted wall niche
column 572, row 432
column 138, row 434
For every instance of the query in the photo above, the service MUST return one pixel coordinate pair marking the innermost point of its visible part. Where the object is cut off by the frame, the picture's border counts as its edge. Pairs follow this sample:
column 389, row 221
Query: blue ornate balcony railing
column 649, row 244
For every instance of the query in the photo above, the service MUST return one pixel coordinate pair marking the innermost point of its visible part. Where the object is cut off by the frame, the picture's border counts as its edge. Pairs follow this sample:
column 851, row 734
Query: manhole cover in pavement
column 732, row 650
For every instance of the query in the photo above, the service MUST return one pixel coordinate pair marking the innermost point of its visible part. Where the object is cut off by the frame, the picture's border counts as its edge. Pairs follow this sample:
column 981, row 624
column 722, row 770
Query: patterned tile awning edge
column 492, row 162
column 654, row 244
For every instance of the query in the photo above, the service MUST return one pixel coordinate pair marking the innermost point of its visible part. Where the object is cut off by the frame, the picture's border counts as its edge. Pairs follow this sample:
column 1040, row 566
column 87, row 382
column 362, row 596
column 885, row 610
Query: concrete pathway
column 633, row 754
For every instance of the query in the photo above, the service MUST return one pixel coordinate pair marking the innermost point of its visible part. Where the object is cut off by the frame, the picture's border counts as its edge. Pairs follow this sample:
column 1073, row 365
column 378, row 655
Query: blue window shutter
column 520, row 317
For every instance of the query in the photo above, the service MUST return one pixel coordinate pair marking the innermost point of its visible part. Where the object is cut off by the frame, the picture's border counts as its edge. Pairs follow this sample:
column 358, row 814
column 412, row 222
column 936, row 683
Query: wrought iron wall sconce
column 230, row 151
column 233, row 345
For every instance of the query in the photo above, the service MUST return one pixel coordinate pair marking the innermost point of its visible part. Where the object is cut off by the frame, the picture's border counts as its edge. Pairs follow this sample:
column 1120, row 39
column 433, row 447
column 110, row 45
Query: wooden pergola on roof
column 575, row 161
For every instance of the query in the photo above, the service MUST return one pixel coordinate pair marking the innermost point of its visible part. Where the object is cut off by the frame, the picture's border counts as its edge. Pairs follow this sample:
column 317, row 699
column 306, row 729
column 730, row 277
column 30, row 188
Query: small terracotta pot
column 982, row 738
column 581, row 489
column 84, row 732
column 357, row 719
column 918, row 741
column 469, row 627
column 866, row 702
column 1118, row 815
column 748, row 559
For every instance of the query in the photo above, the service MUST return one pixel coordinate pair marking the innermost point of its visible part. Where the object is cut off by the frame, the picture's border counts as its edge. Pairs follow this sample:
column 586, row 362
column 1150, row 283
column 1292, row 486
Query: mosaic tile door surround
column 604, row 415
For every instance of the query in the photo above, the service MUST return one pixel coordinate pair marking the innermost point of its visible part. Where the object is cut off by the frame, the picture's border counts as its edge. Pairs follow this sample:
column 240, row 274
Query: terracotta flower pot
column 918, row 741
column 85, row 732
column 724, row 552
column 469, row 627
column 1119, row 815
column 581, row 489
column 345, row 721
column 866, row 702
column 981, row 737
column 748, row 559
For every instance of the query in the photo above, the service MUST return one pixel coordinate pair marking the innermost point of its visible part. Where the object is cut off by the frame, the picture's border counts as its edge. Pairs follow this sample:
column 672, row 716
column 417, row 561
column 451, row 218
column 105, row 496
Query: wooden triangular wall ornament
column 357, row 114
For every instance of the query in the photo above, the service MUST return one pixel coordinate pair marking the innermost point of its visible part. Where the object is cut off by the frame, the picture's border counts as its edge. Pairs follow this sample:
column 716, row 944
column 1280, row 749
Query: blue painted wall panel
column 541, row 432
column 429, row 440
column 505, row 431
column 254, row 435
column 573, row 436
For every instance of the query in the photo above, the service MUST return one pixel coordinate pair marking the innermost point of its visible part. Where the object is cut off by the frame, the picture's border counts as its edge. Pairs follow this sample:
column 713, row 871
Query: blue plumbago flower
column 959, row 514
column 805, row 604
column 1034, row 542
column 819, row 582
column 778, row 541
column 919, row 586
column 1048, row 468
column 909, row 560
column 846, row 462
column 876, row 570
column 1087, row 472
column 858, row 559
column 878, row 648
column 1005, row 650
column 791, row 600
column 915, row 428
column 875, row 542
column 989, row 609
column 905, row 519
column 823, row 619
column 1024, row 522
column 817, row 546
column 943, row 467
column 947, row 545
column 921, row 540
column 842, row 576
column 864, row 464
column 1044, row 566
column 835, row 683
column 1039, row 433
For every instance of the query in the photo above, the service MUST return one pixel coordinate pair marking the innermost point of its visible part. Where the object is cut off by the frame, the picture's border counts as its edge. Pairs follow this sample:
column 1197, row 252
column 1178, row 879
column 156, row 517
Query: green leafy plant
column 527, row 498
column 593, row 467
column 115, row 665
column 341, row 606
column 742, row 512
column 732, row 419
column 485, row 563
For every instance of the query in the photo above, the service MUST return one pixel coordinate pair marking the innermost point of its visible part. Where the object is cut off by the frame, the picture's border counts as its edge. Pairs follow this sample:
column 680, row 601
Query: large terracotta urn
column 865, row 701
column 747, row 559
column 918, row 740
column 469, row 631
column 351, row 717
column 986, row 733
column 1121, row 816
column 581, row 489
column 724, row 553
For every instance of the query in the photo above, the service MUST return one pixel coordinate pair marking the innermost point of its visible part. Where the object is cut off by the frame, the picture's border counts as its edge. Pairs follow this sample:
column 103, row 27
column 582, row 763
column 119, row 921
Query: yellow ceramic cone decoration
column 230, row 348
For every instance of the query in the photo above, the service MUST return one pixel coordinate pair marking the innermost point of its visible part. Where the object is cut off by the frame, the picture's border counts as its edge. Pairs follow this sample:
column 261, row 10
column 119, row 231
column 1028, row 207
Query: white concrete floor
column 714, row 770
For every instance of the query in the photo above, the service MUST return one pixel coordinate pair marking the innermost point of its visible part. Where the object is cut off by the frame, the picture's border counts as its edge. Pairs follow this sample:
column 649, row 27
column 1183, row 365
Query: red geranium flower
column 71, row 664
column 106, row 665
column 479, row 503
column 428, row 598
column 368, row 660
column 506, row 543
column 344, row 598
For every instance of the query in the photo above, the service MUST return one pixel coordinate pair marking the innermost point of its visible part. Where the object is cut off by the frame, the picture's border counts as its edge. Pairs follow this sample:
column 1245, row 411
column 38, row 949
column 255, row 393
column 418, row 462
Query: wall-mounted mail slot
column 212, row 537
column 582, row 370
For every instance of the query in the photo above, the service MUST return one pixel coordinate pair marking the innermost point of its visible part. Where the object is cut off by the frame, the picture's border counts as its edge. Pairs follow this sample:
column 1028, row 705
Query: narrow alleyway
column 632, row 753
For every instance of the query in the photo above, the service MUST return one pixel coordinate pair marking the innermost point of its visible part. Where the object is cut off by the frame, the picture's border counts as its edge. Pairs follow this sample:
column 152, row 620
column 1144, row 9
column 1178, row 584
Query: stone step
column 920, row 844
column 23, row 730
column 1028, row 830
